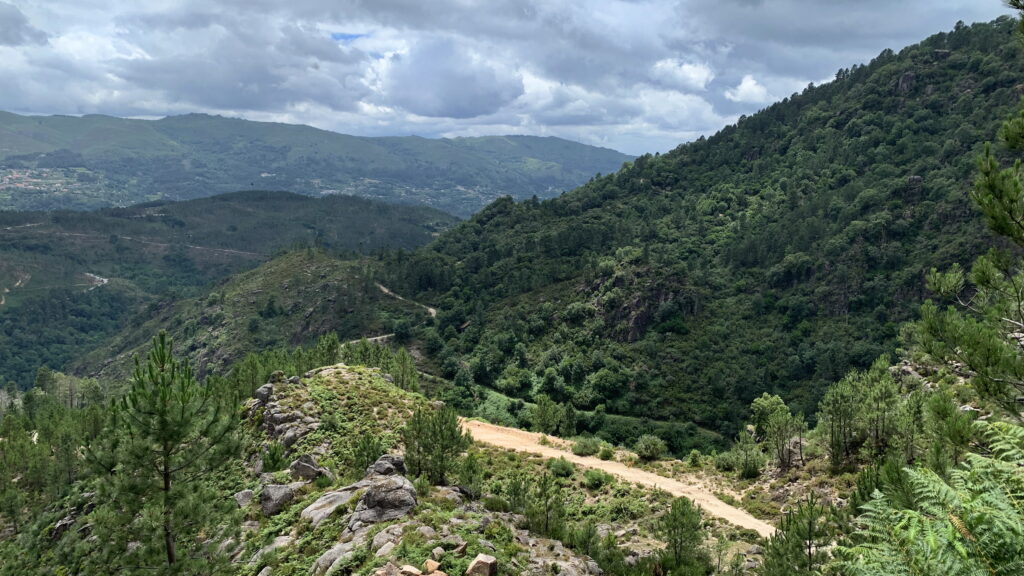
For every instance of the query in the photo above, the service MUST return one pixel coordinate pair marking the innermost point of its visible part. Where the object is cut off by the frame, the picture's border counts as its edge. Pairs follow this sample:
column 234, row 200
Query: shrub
column 561, row 467
column 367, row 450
column 595, row 479
column 649, row 447
column 433, row 440
column 274, row 458
column 606, row 453
column 586, row 446
column 496, row 504
column 695, row 458
column 423, row 486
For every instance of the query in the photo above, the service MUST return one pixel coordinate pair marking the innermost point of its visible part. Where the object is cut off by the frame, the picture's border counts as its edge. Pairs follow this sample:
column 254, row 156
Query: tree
column 166, row 437
column 779, row 431
column 761, row 411
column 796, row 549
column 404, row 371
column 546, row 507
column 836, row 414
column 433, row 441
column 680, row 527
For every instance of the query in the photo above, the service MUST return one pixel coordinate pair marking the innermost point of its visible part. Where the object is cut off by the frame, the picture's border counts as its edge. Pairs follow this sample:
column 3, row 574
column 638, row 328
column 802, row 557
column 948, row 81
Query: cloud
column 749, row 91
column 635, row 75
column 15, row 29
column 683, row 75
column 443, row 79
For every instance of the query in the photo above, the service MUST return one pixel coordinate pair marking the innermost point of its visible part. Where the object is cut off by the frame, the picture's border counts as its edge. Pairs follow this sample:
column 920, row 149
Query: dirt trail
column 431, row 311
column 522, row 441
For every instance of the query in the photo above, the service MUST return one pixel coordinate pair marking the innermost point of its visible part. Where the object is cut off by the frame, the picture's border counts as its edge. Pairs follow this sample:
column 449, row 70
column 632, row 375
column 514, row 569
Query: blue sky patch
column 346, row 38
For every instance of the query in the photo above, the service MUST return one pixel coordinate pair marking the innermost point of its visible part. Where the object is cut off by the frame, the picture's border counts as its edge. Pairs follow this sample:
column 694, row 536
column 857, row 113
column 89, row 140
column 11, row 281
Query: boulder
column 275, row 497
column 427, row 532
column 437, row 553
column 483, row 565
column 243, row 498
column 337, row 555
column 306, row 467
column 263, row 393
column 384, row 550
column 410, row 571
column 386, row 499
column 279, row 542
column 391, row 534
column 267, row 571
column 430, row 566
column 327, row 504
column 387, row 465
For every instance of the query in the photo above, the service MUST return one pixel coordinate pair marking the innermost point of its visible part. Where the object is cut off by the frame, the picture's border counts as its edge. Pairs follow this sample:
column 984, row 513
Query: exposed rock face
column 305, row 467
column 387, row 465
column 243, row 498
column 276, row 496
column 327, row 504
column 483, row 565
column 387, row 499
column 286, row 425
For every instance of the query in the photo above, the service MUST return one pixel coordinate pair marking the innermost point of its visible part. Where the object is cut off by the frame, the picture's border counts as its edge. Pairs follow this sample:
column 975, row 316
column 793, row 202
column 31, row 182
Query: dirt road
column 522, row 441
column 431, row 311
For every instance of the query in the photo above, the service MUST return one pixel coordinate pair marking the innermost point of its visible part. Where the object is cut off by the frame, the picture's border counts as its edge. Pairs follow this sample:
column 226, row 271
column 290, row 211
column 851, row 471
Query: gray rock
column 327, row 504
column 384, row 550
column 391, row 534
column 243, row 498
column 593, row 568
column 279, row 542
column 263, row 393
column 755, row 549
column 427, row 532
column 275, row 497
column 437, row 553
column 487, row 544
column 306, row 467
column 338, row 555
column 267, row 571
column 387, row 499
column 387, row 465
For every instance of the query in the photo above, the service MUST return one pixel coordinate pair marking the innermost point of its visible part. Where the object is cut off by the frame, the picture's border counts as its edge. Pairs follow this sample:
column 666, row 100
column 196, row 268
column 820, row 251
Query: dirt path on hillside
column 431, row 311
column 522, row 441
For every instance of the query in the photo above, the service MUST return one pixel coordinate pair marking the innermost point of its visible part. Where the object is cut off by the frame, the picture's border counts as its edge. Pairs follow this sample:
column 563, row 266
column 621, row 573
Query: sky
column 634, row 75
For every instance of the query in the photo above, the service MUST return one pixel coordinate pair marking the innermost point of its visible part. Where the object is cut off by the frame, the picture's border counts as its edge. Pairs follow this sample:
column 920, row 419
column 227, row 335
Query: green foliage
column 762, row 409
column 771, row 257
column 606, row 453
column 649, row 447
column 545, row 509
column 471, row 475
column 680, row 528
column 168, row 435
column 745, row 457
column 586, row 446
column 368, row 448
column 560, row 467
column 797, row 547
column 433, row 439
column 595, row 479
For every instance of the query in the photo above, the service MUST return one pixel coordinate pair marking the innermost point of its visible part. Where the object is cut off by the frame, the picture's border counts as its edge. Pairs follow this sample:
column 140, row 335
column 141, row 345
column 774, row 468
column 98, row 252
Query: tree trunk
column 168, row 516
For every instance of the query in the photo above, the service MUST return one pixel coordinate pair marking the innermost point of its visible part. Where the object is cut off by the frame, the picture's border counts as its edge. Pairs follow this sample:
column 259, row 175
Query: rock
column 427, row 532
column 460, row 550
column 279, row 542
column 906, row 82
column 450, row 493
column 486, row 544
column 293, row 380
column 384, row 550
column 62, row 526
column 437, row 553
column 263, row 393
column 387, row 465
column 337, row 555
column 388, row 569
column 755, row 549
column 410, row 571
column 267, row 571
column 430, row 566
column 387, row 499
column 593, row 568
column 275, row 497
column 305, row 467
column 243, row 498
column 483, row 565
column 392, row 534
column 325, row 505
column 276, row 377
column 250, row 526
column 750, row 564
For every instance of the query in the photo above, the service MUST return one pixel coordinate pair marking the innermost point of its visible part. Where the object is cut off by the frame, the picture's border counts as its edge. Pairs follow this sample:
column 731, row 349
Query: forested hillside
column 55, row 162
column 774, row 256
column 71, row 280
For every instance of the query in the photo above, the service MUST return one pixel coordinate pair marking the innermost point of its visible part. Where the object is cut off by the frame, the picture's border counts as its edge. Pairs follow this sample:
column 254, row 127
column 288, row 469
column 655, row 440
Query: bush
column 433, row 440
column 649, row 447
column 274, row 458
column 423, row 486
column 606, row 453
column 496, row 504
column 561, row 467
column 595, row 479
column 695, row 458
column 586, row 446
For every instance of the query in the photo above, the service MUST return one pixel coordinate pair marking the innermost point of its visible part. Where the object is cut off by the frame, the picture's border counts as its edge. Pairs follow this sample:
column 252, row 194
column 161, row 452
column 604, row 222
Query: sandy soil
column 522, row 441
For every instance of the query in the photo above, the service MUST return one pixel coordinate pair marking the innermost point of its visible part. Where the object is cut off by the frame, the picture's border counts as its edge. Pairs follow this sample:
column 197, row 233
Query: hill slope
column 93, row 161
column 773, row 256
column 69, row 280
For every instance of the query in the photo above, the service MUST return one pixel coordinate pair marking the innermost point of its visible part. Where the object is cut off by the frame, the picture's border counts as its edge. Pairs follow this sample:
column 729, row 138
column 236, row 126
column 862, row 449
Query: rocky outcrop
column 387, row 465
column 306, row 467
column 285, row 424
column 275, row 497
column 330, row 502
column 389, row 498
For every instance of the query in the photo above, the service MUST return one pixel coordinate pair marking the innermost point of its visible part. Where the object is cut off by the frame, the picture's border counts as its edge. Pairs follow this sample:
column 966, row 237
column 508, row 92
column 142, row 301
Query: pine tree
column 433, row 440
column 680, row 527
column 167, row 436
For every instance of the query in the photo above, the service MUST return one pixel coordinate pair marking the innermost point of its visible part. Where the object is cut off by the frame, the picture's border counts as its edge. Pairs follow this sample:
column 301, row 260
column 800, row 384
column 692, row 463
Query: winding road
column 522, row 441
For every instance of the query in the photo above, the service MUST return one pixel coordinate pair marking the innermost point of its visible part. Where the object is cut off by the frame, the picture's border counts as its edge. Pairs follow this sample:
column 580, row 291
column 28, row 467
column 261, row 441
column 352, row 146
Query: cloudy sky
column 635, row 75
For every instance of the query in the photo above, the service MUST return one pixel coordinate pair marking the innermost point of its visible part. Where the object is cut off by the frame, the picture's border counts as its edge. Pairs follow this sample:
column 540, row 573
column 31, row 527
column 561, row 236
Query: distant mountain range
column 67, row 162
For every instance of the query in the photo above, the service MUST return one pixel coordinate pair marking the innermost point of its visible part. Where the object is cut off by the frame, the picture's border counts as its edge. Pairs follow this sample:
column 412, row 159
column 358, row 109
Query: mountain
column 58, row 162
column 70, row 280
column 774, row 256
